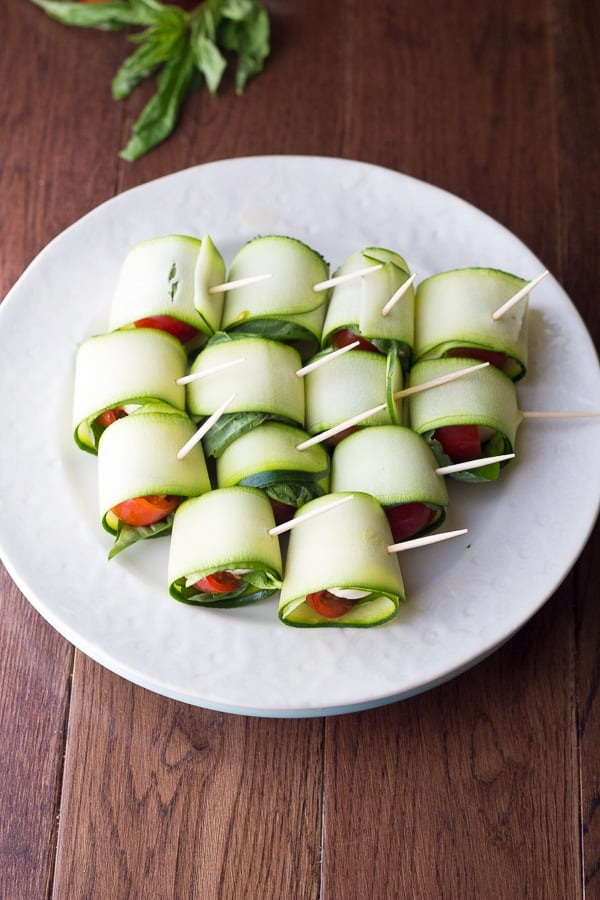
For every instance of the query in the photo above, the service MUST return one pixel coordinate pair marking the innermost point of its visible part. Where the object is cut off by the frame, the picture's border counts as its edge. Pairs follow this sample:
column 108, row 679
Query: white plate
column 466, row 596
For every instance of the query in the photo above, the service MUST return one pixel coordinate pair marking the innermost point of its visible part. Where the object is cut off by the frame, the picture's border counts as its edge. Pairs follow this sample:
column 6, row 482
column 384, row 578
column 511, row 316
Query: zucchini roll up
column 284, row 305
column 338, row 569
column 453, row 317
column 349, row 385
column 355, row 309
column 259, row 374
column 164, row 283
column 221, row 553
column 120, row 371
column 267, row 458
column 397, row 467
column 140, row 479
column 468, row 418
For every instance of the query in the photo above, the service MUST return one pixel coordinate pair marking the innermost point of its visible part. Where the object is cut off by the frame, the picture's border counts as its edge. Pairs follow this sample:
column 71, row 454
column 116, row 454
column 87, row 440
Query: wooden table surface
column 485, row 787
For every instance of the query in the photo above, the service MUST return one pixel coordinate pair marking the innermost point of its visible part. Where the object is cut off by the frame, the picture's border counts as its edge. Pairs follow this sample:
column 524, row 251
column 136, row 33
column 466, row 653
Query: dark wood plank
column 578, row 113
column 466, row 791
column 35, row 664
column 195, row 803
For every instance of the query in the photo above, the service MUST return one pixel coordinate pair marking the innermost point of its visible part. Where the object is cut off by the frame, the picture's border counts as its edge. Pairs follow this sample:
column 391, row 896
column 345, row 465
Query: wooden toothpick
column 518, row 296
column 427, row 539
column 195, row 376
column 441, row 379
column 335, row 429
column 399, row 293
column 303, row 517
column 473, row 464
column 326, row 358
column 349, row 276
column 239, row 282
column 558, row 414
column 206, row 426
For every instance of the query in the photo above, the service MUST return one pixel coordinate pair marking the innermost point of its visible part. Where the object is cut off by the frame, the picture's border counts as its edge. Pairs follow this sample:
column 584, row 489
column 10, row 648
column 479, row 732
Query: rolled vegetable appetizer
column 164, row 283
column 398, row 467
column 221, row 553
column 453, row 317
column 349, row 385
column 267, row 458
column 468, row 418
column 338, row 569
column 120, row 371
column 140, row 479
column 355, row 307
column 259, row 374
column 283, row 306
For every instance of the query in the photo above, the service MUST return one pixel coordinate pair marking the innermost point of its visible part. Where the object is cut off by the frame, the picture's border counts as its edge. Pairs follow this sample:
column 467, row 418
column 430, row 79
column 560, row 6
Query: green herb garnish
column 181, row 48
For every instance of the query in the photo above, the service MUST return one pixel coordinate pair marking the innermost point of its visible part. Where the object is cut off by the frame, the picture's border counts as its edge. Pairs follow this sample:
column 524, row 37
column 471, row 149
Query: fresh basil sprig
column 181, row 48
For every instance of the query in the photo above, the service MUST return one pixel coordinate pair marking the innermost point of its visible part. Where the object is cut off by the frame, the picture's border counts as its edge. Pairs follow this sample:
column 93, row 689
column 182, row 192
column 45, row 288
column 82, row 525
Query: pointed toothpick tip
column 205, row 427
column 342, row 279
column 385, row 310
column 497, row 314
column 473, row 464
column 311, row 514
column 238, row 283
column 196, row 376
column 336, row 429
column 442, row 379
column 323, row 360
column 424, row 541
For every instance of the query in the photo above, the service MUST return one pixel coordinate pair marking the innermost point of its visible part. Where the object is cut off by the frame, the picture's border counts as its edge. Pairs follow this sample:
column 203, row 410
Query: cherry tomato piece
column 494, row 357
column 110, row 415
column 147, row 510
column 176, row 327
column 345, row 336
column 282, row 512
column 218, row 583
column 408, row 519
column 460, row 442
column 328, row 605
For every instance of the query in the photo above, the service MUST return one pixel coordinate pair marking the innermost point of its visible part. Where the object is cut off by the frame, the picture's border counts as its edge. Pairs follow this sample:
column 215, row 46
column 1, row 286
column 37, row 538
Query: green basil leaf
column 277, row 329
column 249, row 37
column 267, row 581
column 159, row 116
column 128, row 534
column 111, row 15
column 209, row 60
column 294, row 493
column 231, row 426
column 157, row 45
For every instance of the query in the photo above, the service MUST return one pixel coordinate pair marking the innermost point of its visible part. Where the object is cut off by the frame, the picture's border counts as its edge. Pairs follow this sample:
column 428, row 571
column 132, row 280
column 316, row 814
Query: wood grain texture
column 576, row 28
column 486, row 787
column 163, row 799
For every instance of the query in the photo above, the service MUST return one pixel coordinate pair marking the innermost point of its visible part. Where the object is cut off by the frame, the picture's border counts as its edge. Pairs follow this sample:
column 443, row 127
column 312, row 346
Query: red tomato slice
column 328, row 605
column 494, row 357
column 110, row 415
column 282, row 512
column 460, row 442
column 147, row 510
column 178, row 329
column 345, row 336
column 218, row 583
column 408, row 519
